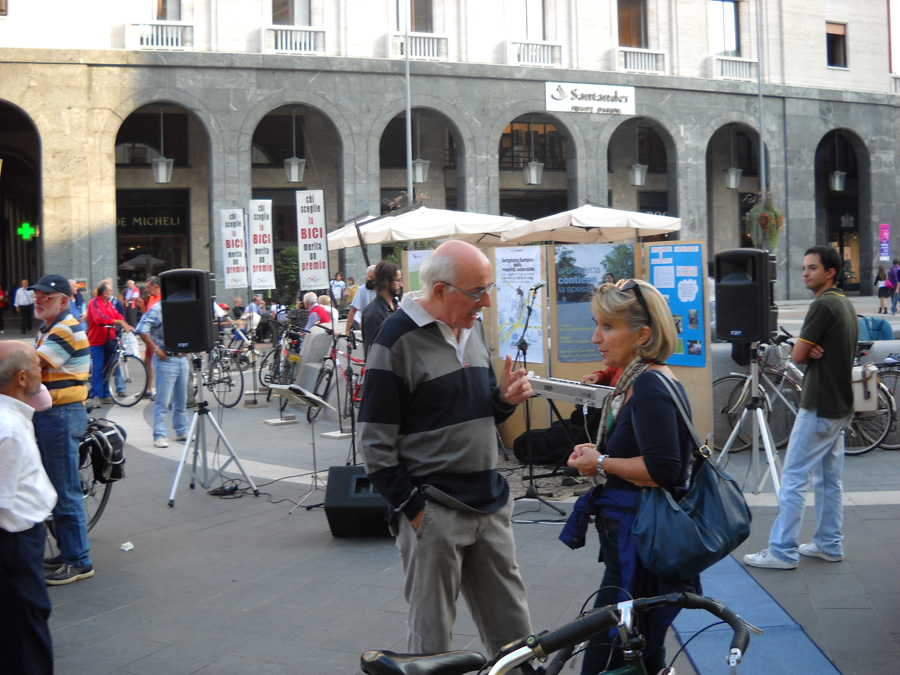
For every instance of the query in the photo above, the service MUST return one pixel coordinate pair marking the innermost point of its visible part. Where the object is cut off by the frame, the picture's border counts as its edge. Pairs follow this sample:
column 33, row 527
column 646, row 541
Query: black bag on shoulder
column 104, row 443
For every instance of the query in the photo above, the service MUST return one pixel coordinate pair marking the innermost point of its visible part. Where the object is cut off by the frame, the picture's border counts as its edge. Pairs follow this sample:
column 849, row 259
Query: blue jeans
column 172, row 377
column 816, row 448
column 100, row 356
column 59, row 431
column 895, row 297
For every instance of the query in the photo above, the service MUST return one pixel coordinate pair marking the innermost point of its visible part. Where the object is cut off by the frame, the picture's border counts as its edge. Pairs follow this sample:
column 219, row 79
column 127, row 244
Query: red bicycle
column 349, row 393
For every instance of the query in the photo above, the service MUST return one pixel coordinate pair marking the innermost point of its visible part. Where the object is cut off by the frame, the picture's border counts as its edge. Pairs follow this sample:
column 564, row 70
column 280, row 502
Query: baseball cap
column 52, row 283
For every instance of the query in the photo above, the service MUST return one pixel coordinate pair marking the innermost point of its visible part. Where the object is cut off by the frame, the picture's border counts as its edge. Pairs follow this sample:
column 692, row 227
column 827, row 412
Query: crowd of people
column 427, row 429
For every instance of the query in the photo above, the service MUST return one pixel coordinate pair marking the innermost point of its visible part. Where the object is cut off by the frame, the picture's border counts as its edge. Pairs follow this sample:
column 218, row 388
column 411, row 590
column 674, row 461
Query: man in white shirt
column 24, row 303
column 26, row 499
column 361, row 300
column 338, row 290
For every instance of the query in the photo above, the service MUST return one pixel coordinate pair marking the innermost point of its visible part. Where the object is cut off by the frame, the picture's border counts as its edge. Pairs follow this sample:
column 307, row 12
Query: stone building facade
column 238, row 86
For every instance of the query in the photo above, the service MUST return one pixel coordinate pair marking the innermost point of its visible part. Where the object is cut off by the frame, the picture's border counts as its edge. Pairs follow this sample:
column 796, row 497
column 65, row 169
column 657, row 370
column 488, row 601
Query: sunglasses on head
column 632, row 285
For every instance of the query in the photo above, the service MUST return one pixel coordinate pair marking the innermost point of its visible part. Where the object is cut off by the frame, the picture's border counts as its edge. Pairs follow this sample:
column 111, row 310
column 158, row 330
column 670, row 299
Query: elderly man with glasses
column 427, row 428
column 63, row 347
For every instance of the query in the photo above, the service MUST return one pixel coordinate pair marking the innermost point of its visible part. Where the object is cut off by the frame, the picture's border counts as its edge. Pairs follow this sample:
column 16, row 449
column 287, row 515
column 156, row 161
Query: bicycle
column 223, row 376
column 280, row 364
column 780, row 386
column 563, row 642
column 889, row 375
column 868, row 430
column 352, row 381
column 125, row 376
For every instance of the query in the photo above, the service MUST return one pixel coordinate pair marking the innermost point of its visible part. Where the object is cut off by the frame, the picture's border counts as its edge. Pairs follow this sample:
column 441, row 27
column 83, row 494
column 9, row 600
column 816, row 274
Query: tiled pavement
column 238, row 585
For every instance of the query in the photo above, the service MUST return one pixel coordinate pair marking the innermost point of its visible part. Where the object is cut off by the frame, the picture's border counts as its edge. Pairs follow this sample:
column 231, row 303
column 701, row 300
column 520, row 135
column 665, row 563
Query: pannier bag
column 865, row 388
column 104, row 444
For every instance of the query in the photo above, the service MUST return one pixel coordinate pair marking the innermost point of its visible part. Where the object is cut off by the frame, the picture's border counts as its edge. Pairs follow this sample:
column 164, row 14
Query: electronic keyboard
column 591, row 395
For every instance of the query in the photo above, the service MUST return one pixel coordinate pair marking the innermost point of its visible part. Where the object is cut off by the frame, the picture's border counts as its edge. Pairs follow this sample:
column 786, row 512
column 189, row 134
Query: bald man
column 428, row 433
column 26, row 499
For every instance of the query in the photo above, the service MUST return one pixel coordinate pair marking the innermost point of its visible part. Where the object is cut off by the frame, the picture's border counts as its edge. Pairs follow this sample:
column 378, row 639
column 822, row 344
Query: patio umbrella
column 590, row 224
column 142, row 261
column 425, row 223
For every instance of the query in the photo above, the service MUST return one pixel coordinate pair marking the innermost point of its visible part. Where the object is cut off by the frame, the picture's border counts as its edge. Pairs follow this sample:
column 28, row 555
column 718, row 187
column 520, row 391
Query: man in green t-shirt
column 827, row 345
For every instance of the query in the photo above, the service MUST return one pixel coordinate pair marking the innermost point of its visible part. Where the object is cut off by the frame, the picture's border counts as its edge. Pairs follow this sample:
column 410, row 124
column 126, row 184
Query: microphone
column 537, row 286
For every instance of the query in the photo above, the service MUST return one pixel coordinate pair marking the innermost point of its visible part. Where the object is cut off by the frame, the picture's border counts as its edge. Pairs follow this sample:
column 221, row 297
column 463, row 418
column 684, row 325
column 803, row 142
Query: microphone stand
column 522, row 348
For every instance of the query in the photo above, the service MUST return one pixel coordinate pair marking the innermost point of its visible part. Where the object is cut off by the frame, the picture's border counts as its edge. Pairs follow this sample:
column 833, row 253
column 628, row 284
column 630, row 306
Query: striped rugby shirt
column 65, row 352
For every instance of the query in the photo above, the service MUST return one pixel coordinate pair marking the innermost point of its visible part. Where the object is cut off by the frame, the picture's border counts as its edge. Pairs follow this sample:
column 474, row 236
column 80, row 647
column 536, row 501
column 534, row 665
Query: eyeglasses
column 477, row 296
column 632, row 285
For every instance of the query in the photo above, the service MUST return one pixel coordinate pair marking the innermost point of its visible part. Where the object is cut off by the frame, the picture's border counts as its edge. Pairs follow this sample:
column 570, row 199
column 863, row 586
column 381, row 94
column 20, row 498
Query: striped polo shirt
column 64, row 349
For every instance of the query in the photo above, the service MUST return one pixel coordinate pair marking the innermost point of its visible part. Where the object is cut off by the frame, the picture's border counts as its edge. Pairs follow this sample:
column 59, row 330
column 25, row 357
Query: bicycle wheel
column 784, row 399
column 322, row 388
column 867, row 430
column 226, row 382
column 132, row 385
column 730, row 394
column 890, row 378
column 267, row 369
column 347, row 401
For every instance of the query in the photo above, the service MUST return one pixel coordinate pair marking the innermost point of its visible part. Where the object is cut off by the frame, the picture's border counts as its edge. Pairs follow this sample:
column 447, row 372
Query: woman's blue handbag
column 680, row 539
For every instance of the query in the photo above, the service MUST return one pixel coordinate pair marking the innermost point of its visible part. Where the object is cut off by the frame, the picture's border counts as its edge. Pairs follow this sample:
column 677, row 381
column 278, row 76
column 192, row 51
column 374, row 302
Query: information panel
column 262, row 251
column 677, row 271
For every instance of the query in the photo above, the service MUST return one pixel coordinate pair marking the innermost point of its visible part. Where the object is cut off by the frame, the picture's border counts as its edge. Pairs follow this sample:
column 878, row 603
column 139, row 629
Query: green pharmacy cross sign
column 26, row 231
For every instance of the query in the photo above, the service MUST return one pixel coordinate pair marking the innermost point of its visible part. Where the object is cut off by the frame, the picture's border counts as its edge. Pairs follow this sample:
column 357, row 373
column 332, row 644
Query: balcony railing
column 544, row 54
column 422, row 46
column 733, row 68
column 632, row 60
column 293, row 40
column 162, row 35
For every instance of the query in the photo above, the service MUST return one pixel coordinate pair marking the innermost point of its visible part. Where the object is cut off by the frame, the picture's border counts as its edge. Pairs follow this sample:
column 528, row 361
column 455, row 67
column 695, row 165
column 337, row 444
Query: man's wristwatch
column 600, row 472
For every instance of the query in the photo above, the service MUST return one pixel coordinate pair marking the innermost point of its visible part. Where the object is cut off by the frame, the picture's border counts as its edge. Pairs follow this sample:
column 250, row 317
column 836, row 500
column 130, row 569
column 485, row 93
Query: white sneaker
column 767, row 560
column 181, row 437
column 161, row 442
column 814, row 551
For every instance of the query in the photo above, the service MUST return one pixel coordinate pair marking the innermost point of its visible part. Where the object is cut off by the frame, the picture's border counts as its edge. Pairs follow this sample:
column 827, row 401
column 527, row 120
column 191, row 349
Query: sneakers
column 152, row 394
column 66, row 574
column 161, row 442
column 54, row 563
column 181, row 437
column 814, row 551
column 766, row 560
column 107, row 400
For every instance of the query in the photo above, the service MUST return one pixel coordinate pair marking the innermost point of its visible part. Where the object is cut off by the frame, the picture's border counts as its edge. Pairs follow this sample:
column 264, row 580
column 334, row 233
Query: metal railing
column 633, row 60
column 422, row 46
column 544, row 54
column 733, row 68
column 163, row 35
column 293, row 40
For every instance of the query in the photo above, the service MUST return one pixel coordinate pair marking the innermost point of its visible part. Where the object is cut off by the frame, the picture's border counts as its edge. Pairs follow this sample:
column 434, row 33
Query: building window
column 724, row 38
column 290, row 13
column 421, row 19
column 894, row 34
column 541, row 142
column 273, row 140
column 168, row 10
column 632, row 23
column 836, row 44
column 138, row 139
column 528, row 21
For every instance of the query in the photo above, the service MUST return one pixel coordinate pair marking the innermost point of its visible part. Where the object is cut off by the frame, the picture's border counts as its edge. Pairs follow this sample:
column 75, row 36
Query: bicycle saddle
column 377, row 662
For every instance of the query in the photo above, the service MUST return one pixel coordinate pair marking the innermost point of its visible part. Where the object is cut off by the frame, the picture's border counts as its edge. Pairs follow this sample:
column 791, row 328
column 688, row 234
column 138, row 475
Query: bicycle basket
column 105, row 441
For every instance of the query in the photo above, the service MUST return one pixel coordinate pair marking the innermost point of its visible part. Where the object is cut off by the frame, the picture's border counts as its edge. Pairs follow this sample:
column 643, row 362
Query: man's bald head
column 20, row 370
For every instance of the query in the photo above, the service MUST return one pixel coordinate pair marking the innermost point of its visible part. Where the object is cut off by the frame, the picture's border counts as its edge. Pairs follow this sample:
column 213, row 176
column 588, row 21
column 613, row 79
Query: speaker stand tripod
column 756, row 408
column 297, row 394
column 196, row 438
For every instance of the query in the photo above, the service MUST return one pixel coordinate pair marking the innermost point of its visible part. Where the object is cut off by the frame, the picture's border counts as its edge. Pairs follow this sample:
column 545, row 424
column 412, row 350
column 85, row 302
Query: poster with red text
column 234, row 259
column 312, row 245
column 262, row 250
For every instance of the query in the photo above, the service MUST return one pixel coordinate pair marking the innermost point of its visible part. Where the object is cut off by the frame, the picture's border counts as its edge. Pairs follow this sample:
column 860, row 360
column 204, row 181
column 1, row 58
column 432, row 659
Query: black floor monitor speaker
column 745, row 311
column 187, row 310
column 352, row 506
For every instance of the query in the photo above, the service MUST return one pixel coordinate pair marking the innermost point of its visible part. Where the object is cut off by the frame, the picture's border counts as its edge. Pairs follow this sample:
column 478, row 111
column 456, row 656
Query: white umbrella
column 425, row 223
column 591, row 225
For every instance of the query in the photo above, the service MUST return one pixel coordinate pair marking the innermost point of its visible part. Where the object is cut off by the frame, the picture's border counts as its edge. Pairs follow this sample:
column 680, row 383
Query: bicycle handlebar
column 604, row 618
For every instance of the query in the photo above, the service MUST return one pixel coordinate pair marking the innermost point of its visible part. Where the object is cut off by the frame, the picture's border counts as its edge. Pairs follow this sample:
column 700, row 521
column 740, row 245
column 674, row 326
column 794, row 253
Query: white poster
column 233, row 258
column 262, row 250
column 518, row 275
column 312, row 244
